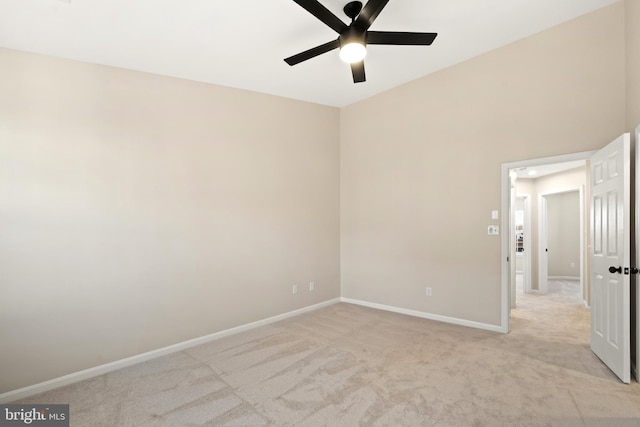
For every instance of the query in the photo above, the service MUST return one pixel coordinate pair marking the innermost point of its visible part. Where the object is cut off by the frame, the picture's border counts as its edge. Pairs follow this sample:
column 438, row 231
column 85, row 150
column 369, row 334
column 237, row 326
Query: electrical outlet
column 429, row 292
column 572, row 265
column 312, row 286
column 294, row 289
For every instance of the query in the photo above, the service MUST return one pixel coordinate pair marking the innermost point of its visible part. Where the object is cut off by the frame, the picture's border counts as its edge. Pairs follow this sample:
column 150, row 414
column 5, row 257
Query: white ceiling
column 534, row 172
column 242, row 44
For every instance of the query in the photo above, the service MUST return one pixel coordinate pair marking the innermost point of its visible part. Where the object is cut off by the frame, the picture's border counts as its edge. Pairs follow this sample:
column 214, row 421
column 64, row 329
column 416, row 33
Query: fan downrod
column 352, row 9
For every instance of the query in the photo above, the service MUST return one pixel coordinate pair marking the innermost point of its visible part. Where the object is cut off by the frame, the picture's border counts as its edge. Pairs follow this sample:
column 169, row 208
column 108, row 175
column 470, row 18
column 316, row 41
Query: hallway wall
column 563, row 214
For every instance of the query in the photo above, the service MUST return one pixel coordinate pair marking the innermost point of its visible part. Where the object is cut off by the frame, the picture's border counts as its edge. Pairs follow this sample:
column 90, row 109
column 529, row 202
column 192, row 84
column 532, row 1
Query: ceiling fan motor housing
column 352, row 9
column 353, row 34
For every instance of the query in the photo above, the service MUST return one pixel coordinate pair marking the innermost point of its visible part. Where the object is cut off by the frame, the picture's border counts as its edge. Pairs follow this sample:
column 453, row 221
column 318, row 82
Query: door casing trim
column 505, row 306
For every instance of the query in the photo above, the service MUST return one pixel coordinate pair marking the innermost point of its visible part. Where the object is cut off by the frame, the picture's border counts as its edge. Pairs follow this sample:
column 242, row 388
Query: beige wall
column 633, row 63
column 420, row 164
column 140, row 211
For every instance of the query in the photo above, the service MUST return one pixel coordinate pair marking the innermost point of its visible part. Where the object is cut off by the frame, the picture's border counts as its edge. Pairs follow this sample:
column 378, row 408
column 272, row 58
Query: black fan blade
column 370, row 12
column 323, row 14
column 400, row 38
column 357, row 69
column 313, row 52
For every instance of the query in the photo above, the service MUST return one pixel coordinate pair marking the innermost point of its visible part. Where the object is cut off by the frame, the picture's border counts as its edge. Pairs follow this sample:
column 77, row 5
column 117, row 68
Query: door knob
column 613, row 269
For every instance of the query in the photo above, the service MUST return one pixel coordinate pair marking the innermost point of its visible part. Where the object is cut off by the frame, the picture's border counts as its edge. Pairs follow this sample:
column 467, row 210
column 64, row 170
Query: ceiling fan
column 354, row 38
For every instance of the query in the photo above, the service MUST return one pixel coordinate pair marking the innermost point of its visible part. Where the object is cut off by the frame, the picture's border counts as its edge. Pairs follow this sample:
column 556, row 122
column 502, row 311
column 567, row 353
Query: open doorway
column 563, row 227
column 607, row 275
column 547, row 228
column 527, row 180
column 561, row 236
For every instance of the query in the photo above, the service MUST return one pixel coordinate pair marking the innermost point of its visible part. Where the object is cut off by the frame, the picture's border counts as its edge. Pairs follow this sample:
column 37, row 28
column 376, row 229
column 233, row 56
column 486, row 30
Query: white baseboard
column 31, row 390
column 576, row 278
column 424, row 315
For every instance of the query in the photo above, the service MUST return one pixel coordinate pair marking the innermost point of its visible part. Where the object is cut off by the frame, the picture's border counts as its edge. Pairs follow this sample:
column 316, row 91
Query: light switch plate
column 494, row 214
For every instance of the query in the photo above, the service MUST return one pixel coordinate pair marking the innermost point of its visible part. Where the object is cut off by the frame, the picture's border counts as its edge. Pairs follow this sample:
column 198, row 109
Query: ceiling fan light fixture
column 353, row 52
column 355, row 37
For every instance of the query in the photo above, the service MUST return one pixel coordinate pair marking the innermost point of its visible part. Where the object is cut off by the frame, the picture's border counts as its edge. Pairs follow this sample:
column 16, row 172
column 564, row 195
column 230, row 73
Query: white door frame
column 513, row 177
column 505, row 206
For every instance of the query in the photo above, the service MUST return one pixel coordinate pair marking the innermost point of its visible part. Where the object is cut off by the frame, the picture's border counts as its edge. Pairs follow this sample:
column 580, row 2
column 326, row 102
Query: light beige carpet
column 347, row 365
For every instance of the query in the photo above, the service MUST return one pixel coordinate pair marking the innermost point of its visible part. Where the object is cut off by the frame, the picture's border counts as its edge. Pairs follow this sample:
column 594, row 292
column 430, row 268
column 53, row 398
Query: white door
column 610, row 255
